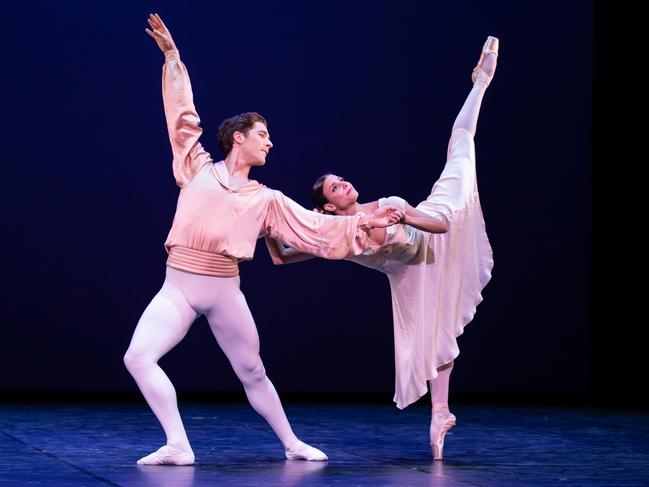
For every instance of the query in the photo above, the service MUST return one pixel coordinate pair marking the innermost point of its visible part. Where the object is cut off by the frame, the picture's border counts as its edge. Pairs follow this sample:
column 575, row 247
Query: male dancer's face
column 256, row 145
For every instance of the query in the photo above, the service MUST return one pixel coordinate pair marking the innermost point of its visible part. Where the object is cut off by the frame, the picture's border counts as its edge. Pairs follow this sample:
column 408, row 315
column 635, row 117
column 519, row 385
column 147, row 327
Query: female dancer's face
column 339, row 193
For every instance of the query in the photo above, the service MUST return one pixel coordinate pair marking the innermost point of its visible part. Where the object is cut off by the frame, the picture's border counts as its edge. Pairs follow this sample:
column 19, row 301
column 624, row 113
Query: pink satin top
column 215, row 225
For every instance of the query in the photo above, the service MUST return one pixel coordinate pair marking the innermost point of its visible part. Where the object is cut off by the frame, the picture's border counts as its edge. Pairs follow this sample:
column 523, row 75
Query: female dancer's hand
column 160, row 33
column 384, row 217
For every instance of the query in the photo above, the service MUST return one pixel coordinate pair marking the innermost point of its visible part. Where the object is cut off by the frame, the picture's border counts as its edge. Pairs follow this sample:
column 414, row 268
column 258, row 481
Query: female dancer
column 437, row 260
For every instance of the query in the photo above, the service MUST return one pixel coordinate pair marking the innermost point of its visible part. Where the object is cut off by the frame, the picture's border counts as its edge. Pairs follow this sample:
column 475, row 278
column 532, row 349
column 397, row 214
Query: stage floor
column 367, row 445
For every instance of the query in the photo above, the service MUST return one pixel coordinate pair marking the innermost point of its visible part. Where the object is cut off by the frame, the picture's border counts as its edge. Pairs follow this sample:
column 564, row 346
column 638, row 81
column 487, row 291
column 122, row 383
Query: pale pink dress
column 436, row 280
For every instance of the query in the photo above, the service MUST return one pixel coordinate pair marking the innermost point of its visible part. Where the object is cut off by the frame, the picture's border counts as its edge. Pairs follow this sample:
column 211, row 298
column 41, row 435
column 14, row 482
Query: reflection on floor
column 367, row 444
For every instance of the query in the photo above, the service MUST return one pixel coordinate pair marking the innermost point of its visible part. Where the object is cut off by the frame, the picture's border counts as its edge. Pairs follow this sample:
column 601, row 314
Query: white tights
column 439, row 386
column 468, row 116
column 466, row 119
column 184, row 297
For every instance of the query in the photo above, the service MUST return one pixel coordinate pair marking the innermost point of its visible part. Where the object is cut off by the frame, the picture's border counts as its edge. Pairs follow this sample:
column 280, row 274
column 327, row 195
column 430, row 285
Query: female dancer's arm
column 284, row 255
column 422, row 221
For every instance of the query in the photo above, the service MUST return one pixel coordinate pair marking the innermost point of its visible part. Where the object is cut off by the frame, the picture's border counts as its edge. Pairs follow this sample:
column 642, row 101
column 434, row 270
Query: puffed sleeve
column 183, row 122
column 328, row 236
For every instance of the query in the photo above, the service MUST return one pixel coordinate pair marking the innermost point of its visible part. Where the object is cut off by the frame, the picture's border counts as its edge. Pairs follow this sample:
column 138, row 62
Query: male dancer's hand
column 160, row 33
column 384, row 217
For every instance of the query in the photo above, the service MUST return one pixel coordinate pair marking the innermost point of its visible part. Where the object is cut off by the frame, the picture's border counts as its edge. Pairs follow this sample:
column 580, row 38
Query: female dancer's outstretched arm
column 423, row 221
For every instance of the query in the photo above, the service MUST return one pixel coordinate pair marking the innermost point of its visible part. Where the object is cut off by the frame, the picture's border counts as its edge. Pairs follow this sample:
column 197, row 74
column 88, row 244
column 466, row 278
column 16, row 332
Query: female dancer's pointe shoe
column 482, row 74
column 302, row 451
column 168, row 455
column 439, row 426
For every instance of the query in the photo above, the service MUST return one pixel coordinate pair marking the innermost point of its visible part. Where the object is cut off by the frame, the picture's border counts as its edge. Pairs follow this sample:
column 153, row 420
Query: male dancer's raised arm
column 183, row 122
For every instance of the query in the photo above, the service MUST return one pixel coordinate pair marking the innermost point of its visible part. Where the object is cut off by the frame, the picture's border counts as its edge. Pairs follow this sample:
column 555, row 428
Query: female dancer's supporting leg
column 442, row 419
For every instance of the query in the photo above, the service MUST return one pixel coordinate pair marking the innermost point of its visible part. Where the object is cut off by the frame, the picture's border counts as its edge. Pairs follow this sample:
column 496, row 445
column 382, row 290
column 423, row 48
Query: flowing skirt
column 435, row 295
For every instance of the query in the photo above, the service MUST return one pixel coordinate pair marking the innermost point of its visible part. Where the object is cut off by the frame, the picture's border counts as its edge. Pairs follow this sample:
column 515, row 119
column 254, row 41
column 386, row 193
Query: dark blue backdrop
column 365, row 89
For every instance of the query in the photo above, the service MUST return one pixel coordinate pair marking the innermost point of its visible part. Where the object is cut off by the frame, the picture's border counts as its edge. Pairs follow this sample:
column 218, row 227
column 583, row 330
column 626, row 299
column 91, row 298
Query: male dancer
column 220, row 215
